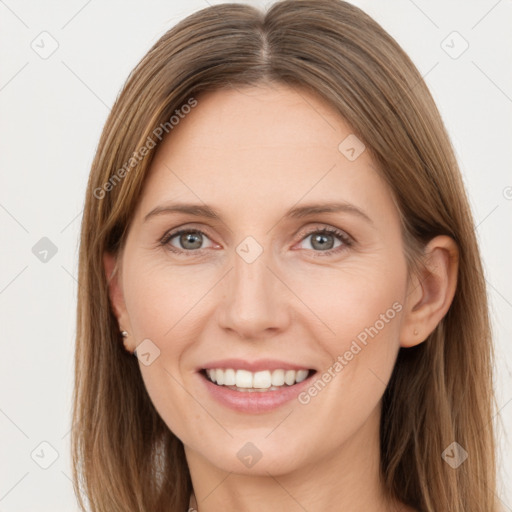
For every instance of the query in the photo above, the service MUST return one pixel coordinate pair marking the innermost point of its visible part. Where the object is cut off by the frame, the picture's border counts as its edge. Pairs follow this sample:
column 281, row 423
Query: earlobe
column 431, row 293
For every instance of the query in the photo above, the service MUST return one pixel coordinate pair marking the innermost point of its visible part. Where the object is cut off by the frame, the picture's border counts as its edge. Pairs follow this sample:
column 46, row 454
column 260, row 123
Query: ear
column 430, row 294
column 114, row 281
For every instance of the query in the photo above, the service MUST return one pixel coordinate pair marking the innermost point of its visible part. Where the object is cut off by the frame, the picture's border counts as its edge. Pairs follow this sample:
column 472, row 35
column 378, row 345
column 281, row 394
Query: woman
column 276, row 227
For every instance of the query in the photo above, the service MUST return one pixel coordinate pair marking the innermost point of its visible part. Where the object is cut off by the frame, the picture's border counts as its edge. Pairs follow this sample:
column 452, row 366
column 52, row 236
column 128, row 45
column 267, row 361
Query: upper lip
column 253, row 366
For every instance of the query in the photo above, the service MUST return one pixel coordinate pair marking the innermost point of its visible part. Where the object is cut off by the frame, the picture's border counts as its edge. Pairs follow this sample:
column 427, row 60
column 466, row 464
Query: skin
column 252, row 154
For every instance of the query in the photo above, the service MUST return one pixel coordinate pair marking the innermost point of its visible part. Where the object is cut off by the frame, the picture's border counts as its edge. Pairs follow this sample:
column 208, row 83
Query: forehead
column 261, row 147
column 277, row 117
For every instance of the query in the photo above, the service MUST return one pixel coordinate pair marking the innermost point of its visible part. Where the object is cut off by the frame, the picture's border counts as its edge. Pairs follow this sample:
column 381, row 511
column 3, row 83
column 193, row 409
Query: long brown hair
column 125, row 458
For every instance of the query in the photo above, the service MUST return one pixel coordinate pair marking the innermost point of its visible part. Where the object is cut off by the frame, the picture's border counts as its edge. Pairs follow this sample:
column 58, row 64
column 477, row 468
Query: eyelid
column 327, row 227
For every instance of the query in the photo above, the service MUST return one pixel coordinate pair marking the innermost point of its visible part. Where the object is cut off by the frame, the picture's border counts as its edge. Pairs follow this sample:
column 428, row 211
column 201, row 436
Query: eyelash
column 347, row 241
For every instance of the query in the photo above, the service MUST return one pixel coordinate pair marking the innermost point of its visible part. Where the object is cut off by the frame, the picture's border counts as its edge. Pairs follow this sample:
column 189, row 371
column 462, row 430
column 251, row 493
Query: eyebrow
column 299, row 212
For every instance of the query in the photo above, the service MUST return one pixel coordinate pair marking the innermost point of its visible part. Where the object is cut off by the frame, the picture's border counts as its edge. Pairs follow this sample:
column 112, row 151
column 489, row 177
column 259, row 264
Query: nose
column 255, row 302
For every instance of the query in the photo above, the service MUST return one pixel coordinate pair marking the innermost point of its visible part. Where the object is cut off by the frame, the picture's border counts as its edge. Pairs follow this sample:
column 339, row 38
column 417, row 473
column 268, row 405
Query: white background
column 51, row 115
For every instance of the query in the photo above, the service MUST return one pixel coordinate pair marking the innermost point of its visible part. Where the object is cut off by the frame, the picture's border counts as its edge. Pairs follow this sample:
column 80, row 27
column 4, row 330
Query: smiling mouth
column 246, row 381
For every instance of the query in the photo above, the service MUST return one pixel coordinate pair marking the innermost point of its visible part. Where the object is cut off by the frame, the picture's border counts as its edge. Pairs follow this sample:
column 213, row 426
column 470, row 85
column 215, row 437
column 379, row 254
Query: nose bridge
column 252, row 300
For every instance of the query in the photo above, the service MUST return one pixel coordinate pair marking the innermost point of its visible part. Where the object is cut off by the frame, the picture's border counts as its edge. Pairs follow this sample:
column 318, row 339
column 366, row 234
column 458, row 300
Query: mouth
column 257, row 386
column 245, row 381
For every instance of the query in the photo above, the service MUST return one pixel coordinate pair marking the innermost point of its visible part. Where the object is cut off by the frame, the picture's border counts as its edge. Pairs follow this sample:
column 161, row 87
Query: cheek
column 348, row 301
column 159, row 299
column 360, row 309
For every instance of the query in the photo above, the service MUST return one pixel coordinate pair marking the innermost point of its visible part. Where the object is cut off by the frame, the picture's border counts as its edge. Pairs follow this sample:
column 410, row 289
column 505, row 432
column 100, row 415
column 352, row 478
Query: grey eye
column 322, row 241
column 190, row 240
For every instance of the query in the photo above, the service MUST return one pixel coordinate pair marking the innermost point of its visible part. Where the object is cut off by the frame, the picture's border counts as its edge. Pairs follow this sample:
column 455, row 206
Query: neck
column 347, row 478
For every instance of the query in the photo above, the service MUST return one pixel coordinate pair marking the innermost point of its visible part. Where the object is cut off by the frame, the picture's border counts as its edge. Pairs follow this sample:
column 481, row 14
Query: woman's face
column 258, row 288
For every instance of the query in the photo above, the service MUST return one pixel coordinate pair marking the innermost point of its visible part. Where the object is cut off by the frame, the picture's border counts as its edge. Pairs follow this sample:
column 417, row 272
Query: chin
column 258, row 458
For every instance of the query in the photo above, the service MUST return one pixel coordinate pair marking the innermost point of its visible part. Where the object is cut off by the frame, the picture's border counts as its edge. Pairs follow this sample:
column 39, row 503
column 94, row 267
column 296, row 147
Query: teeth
column 229, row 377
column 244, row 380
column 301, row 375
column 289, row 377
column 277, row 377
column 262, row 380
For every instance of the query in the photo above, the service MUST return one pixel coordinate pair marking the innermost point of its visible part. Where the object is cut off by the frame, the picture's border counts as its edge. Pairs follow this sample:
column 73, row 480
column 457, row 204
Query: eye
column 189, row 240
column 323, row 240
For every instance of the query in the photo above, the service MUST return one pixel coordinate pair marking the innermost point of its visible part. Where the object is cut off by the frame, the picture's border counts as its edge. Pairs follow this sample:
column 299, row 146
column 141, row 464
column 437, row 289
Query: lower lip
column 256, row 401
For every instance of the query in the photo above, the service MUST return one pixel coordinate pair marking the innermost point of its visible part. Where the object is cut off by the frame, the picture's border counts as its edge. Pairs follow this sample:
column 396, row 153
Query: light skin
column 252, row 154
